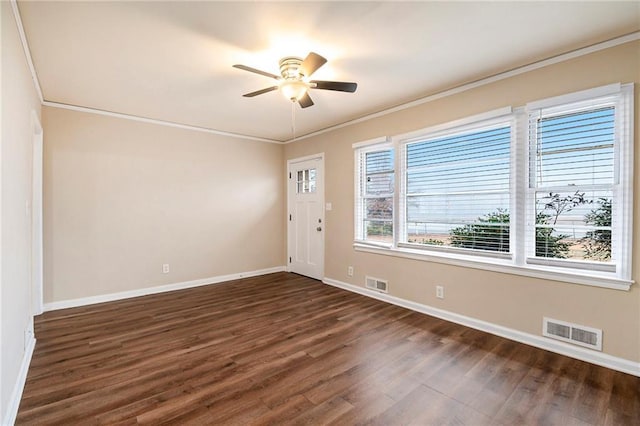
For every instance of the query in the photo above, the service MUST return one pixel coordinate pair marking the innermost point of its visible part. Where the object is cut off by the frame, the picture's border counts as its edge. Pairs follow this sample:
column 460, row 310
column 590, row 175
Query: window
column 306, row 181
column 457, row 189
column 543, row 190
column 576, row 205
column 375, row 189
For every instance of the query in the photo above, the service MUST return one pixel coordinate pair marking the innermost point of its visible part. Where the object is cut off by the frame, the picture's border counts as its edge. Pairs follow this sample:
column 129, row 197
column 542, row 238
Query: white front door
column 306, row 217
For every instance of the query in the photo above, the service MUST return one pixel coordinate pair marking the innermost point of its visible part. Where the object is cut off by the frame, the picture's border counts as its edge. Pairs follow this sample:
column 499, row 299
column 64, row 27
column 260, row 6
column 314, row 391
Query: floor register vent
column 377, row 284
column 572, row 333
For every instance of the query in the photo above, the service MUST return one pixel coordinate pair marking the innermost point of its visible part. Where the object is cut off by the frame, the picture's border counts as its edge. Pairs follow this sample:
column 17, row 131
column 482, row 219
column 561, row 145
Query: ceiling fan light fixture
column 293, row 89
column 294, row 81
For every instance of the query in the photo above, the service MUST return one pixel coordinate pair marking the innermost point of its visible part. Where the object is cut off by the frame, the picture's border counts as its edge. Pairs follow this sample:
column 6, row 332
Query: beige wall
column 508, row 300
column 123, row 197
column 19, row 101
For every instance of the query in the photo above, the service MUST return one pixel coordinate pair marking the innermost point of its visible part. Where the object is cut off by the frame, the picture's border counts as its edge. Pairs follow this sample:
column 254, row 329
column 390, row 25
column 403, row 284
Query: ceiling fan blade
column 305, row 101
column 246, row 68
column 340, row 86
column 311, row 63
column 260, row 92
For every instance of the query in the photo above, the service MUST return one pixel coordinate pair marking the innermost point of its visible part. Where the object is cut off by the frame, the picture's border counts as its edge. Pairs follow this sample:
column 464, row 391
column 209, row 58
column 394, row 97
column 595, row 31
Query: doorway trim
column 291, row 162
column 37, row 247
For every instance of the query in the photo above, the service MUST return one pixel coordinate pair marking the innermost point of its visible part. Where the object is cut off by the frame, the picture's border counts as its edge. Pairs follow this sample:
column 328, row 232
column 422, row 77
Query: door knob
column 319, row 228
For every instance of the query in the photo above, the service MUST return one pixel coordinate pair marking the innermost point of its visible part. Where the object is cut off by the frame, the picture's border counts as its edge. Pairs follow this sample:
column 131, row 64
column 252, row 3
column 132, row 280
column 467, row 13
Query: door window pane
column 306, row 181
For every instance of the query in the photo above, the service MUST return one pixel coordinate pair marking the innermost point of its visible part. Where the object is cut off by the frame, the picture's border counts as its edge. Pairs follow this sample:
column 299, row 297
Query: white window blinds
column 572, row 174
column 374, row 216
column 457, row 190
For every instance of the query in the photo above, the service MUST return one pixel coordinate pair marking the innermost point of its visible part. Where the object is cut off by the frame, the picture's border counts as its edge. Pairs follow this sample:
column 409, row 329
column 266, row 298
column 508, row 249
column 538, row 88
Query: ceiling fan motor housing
column 290, row 68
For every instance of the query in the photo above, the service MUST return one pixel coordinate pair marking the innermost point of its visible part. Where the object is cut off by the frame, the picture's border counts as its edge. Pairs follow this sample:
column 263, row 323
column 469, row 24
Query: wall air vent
column 376, row 284
column 572, row 333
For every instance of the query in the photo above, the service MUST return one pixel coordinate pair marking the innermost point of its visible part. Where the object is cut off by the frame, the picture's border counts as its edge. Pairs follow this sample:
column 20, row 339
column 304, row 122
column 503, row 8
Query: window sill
column 500, row 265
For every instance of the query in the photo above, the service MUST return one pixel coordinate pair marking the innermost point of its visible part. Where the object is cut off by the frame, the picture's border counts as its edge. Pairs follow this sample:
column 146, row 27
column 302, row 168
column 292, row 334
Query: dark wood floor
column 284, row 349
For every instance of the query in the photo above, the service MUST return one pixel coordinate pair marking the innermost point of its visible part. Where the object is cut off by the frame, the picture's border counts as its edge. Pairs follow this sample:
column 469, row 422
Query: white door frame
column 319, row 156
column 37, row 260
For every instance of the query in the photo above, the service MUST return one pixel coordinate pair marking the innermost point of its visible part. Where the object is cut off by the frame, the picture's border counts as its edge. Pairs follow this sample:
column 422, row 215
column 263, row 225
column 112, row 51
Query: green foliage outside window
column 547, row 244
column 491, row 232
column 379, row 228
column 598, row 242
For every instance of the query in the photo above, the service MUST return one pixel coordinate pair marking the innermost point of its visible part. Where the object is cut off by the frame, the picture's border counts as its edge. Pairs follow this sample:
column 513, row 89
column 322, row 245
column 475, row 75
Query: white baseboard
column 73, row 303
column 583, row 354
column 16, row 395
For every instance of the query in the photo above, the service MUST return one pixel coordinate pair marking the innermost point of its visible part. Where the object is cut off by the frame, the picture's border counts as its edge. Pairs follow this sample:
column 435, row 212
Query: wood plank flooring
column 285, row 349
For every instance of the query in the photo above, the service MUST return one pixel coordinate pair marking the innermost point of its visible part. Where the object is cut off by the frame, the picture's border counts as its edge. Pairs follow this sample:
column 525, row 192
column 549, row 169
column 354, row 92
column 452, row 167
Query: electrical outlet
column 350, row 271
column 165, row 268
column 440, row 292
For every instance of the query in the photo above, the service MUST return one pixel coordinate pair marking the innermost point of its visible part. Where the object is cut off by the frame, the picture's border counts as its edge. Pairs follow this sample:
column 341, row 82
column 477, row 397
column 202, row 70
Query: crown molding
column 25, row 48
column 158, row 122
column 458, row 89
column 481, row 82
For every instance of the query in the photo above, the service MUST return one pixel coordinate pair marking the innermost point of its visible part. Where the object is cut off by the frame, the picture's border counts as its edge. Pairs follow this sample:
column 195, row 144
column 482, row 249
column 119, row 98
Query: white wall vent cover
column 377, row 284
column 572, row 333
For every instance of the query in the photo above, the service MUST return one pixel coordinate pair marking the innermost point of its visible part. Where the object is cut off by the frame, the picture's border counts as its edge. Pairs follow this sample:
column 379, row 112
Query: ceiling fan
column 294, row 82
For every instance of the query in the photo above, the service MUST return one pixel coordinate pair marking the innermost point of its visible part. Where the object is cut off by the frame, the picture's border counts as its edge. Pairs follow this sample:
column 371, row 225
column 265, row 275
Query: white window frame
column 360, row 150
column 518, row 263
column 621, row 96
column 497, row 118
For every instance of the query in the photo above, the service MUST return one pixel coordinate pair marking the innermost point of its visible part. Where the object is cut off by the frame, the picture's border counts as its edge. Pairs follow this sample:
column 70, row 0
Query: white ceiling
column 172, row 61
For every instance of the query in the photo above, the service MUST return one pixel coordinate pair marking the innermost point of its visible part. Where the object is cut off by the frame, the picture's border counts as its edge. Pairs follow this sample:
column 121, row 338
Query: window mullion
column 518, row 187
column 399, row 198
column 623, row 210
column 359, row 219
